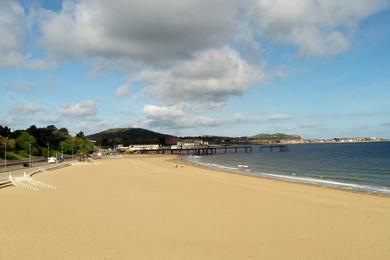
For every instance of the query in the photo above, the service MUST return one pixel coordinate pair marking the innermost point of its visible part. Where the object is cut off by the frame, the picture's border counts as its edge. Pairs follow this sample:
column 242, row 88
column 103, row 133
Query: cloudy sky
column 318, row 68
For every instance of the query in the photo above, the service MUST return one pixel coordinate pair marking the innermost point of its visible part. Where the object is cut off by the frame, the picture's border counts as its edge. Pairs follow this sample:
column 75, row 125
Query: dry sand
column 143, row 208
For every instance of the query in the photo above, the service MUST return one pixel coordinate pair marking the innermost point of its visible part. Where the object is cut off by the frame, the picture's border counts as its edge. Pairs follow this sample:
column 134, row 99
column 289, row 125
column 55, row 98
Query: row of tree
column 44, row 141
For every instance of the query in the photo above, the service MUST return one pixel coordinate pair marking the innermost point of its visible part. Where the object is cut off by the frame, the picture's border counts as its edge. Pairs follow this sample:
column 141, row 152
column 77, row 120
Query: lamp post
column 5, row 155
column 48, row 154
column 29, row 158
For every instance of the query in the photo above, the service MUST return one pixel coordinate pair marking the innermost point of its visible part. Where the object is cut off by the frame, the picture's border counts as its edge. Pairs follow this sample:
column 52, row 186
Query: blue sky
column 313, row 68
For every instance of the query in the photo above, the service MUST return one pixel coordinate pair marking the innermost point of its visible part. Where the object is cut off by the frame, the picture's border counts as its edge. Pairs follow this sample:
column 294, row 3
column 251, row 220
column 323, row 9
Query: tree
column 10, row 143
column 41, row 135
column 58, row 136
column 26, row 141
column 15, row 134
column 80, row 135
column 5, row 131
column 48, row 135
column 76, row 145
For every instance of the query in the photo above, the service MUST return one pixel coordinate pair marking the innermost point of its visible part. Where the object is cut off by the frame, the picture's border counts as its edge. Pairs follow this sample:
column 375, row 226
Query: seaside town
column 57, row 144
column 178, row 143
column 194, row 129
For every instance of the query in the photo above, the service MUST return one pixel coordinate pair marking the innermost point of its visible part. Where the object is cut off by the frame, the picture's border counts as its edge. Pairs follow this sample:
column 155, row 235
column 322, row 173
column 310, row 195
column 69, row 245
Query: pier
column 271, row 148
column 210, row 150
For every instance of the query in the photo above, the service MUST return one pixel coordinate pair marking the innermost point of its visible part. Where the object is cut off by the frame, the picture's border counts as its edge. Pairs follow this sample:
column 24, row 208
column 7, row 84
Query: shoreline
column 281, row 179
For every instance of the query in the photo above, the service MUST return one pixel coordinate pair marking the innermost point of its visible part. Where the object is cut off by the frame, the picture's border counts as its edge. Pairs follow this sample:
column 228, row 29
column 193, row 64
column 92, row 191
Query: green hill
column 128, row 136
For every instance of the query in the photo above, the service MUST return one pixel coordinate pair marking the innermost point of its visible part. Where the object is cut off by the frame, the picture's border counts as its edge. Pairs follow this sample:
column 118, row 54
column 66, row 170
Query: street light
column 5, row 155
column 29, row 159
column 62, row 153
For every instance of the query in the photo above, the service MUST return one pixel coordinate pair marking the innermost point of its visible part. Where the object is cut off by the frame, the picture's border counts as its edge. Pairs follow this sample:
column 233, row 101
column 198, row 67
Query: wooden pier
column 210, row 150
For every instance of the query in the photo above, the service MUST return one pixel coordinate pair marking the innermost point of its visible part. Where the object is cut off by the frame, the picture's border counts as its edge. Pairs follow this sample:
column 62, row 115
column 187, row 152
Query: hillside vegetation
column 128, row 136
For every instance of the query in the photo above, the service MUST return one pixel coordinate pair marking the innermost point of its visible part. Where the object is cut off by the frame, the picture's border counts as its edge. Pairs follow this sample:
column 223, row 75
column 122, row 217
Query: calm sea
column 354, row 166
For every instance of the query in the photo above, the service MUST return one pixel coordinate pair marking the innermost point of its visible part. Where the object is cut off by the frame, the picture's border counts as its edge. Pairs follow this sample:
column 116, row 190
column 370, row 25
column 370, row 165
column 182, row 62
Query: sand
column 143, row 208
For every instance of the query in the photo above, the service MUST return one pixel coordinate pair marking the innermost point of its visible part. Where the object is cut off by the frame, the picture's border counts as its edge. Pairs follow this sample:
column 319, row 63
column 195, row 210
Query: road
column 18, row 172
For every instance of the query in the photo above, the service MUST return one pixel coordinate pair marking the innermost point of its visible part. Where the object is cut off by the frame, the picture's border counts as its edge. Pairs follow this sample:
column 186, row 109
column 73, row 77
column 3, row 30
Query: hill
column 128, row 136
column 274, row 138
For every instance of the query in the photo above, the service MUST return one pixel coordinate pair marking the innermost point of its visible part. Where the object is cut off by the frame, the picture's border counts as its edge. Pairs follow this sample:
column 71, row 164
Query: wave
column 221, row 166
column 329, row 183
column 195, row 156
column 195, row 159
column 243, row 169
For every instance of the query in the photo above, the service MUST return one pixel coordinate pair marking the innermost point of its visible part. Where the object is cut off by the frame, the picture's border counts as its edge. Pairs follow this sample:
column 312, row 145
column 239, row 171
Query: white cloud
column 13, row 28
column 186, row 50
column 237, row 117
column 122, row 90
column 161, row 31
column 11, row 31
column 90, row 128
column 279, row 117
column 86, row 108
column 181, row 116
column 153, row 111
column 315, row 27
column 244, row 119
column 211, row 76
column 27, row 108
column 180, row 43
column 50, row 119
column 206, row 121
column 129, row 32
column 15, row 121
column 146, row 31
column 175, row 117
column 174, row 123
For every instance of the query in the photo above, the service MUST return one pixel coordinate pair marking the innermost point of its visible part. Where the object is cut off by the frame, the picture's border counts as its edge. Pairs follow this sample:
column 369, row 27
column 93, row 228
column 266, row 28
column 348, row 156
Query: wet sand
column 142, row 207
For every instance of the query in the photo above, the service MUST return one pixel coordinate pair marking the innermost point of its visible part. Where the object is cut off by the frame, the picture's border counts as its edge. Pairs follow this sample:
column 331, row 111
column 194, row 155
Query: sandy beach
column 142, row 207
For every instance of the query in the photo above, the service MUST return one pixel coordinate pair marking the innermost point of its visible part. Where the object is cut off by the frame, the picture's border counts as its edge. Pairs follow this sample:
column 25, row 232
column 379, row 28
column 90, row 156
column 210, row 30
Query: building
column 140, row 147
column 121, row 148
column 191, row 143
column 170, row 140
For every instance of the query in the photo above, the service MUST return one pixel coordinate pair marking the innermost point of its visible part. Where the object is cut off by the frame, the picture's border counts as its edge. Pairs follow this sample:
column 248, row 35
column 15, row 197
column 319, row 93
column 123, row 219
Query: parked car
column 52, row 160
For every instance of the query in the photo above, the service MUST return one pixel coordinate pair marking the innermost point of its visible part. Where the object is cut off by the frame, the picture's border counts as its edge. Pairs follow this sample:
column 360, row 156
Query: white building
column 121, row 148
column 191, row 143
column 141, row 147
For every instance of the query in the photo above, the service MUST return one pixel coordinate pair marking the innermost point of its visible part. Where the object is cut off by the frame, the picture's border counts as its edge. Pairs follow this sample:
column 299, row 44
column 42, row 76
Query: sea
column 361, row 167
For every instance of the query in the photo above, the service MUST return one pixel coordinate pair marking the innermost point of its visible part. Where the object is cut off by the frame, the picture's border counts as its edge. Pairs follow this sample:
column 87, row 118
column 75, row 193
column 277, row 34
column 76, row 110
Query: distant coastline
column 330, row 142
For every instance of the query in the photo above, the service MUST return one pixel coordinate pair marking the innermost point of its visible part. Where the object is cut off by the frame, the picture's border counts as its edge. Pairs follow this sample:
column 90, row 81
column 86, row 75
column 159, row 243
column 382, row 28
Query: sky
column 316, row 68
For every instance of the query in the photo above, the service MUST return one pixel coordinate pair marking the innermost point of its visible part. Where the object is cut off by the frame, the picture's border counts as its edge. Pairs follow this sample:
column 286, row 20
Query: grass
column 13, row 156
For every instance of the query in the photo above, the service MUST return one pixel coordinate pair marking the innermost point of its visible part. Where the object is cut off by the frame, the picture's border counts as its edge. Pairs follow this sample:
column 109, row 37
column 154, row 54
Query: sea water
column 354, row 166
